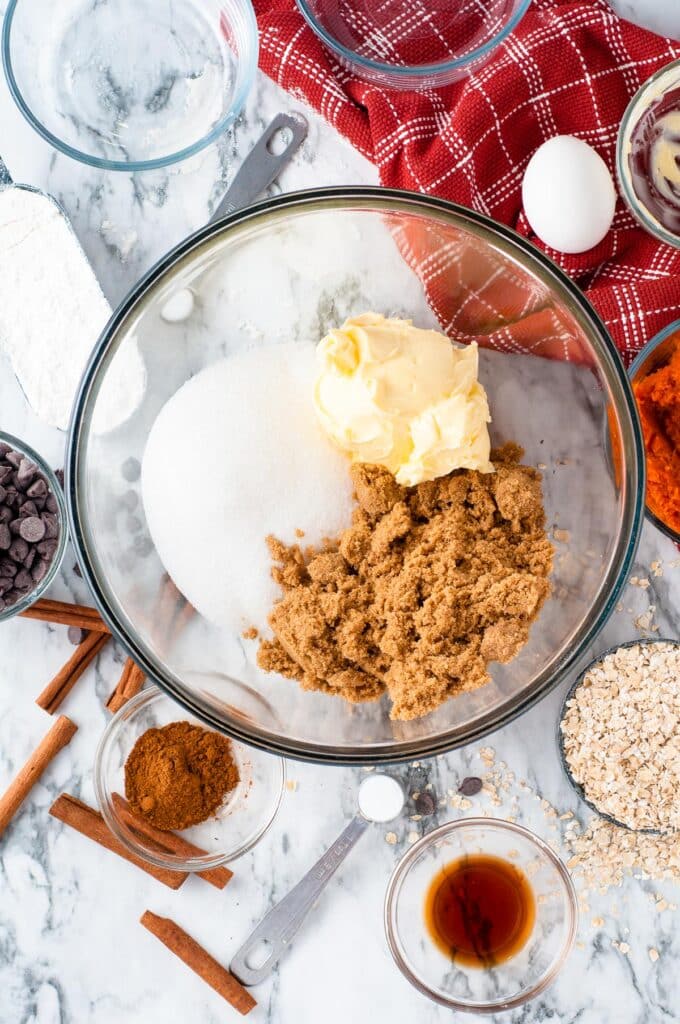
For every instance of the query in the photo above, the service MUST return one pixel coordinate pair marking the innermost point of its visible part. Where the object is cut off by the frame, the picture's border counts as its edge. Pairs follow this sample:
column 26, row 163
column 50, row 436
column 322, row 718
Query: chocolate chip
column 5, row 473
column 39, row 570
column 32, row 529
column 38, row 489
column 18, row 549
column 3, row 493
column 4, row 448
column 46, row 548
column 470, row 786
column 425, row 804
column 12, row 497
column 30, row 558
column 6, row 514
column 131, row 469
column 51, row 503
column 15, row 526
column 26, row 472
column 5, row 585
column 51, row 525
column 14, row 458
column 23, row 580
column 7, row 567
column 28, row 508
column 76, row 635
column 5, row 537
column 11, row 597
column 59, row 473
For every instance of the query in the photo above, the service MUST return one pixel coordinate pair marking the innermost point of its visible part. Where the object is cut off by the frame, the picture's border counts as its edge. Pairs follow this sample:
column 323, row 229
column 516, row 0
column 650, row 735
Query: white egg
column 568, row 195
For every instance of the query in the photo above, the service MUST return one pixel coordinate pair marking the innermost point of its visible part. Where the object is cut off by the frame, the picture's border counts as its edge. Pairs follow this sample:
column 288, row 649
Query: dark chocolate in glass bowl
column 43, row 575
column 304, row 262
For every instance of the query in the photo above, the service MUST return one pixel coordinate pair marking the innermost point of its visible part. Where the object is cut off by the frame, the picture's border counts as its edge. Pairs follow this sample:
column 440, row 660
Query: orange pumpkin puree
column 658, row 399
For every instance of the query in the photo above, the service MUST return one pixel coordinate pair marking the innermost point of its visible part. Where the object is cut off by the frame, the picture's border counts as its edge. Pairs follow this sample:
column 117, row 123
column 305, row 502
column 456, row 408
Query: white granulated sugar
column 234, row 455
column 52, row 311
column 381, row 798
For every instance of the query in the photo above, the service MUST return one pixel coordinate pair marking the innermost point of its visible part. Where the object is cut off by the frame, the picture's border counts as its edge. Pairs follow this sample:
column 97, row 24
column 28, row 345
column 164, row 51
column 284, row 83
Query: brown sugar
column 178, row 775
column 428, row 585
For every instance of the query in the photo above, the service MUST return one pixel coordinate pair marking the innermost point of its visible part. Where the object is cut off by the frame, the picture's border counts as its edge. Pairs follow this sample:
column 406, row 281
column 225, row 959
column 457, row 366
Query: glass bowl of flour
column 224, row 449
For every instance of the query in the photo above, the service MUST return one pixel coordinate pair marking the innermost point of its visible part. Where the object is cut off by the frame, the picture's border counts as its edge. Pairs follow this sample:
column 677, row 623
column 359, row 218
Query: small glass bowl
column 666, row 78
column 130, row 85
column 475, row 989
column 654, row 355
column 576, row 786
column 32, row 596
column 399, row 45
column 240, row 823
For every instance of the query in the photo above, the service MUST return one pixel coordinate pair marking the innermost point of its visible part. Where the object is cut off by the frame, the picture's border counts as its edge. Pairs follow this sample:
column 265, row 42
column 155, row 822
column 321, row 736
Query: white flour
column 52, row 311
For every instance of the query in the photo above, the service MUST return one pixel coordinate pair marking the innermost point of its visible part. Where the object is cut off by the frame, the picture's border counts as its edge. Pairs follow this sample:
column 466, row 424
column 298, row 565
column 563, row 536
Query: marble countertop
column 71, row 948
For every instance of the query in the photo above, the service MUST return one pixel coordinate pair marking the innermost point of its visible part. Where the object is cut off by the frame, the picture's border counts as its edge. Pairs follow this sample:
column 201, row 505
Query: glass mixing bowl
column 514, row 981
column 289, row 269
column 130, row 84
column 400, row 45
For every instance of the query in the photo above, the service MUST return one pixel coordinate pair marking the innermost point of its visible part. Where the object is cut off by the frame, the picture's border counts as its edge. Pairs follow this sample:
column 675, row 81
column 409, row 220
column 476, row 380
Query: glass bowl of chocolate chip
column 182, row 796
column 33, row 534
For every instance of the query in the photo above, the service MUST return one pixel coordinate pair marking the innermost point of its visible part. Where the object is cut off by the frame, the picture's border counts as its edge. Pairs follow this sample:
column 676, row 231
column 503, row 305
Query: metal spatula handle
column 261, row 166
column 277, row 929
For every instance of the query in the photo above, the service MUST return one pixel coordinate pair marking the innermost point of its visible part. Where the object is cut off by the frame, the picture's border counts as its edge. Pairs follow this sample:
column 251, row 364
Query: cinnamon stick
column 130, row 683
column 199, row 960
column 169, row 842
column 56, row 739
column 88, row 822
column 65, row 614
column 66, row 678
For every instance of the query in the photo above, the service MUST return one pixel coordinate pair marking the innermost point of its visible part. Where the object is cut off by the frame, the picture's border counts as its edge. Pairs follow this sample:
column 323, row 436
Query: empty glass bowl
column 514, row 981
column 240, row 823
column 402, row 45
column 290, row 269
column 130, row 84
column 653, row 356
column 55, row 487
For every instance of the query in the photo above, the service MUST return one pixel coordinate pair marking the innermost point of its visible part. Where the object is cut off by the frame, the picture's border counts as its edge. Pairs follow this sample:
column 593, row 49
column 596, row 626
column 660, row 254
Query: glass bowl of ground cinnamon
column 179, row 794
column 655, row 376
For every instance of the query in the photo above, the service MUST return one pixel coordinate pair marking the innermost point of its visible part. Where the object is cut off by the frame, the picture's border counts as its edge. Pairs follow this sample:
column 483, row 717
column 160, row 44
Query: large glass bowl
column 288, row 269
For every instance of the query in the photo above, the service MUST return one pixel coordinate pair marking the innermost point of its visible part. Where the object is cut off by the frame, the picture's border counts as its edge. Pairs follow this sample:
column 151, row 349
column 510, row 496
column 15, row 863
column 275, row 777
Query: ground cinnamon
column 179, row 775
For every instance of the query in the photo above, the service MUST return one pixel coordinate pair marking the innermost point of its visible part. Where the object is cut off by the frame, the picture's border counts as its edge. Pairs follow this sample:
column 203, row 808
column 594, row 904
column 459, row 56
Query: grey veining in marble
column 71, row 950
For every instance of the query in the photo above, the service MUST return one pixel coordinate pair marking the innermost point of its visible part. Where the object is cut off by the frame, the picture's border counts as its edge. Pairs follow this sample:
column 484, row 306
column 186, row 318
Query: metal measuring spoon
column 274, row 933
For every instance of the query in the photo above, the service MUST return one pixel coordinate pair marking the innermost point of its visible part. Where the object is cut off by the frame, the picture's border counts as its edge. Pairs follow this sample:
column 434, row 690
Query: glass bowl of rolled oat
column 619, row 735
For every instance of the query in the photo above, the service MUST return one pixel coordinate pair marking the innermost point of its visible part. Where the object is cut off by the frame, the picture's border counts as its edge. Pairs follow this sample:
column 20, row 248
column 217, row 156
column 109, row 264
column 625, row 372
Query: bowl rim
column 633, row 370
column 636, row 207
column 400, row 872
column 411, row 71
column 578, row 681
column 245, row 76
column 374, row 198
column 148, row 696
column 47, row 471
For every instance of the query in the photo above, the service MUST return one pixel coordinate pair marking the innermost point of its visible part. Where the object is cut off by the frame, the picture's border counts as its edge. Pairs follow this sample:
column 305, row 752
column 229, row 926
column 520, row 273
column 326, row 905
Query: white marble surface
column 71, row 950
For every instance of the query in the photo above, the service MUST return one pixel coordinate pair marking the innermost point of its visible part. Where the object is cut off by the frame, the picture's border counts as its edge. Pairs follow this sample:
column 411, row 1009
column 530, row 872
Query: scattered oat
column 488, row 754
column 653, row 954
column 291, row 785
column 597, row 922
column 644, row 622
column 622, row 947
column 562, row 536
column 657, row 568
column 391, row 838
column 412, row 838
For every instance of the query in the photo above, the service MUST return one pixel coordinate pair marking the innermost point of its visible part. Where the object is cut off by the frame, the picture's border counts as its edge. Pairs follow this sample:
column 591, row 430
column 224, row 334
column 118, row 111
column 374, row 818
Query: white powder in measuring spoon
column 381, row 798
column 234, row 455
column 52, row 311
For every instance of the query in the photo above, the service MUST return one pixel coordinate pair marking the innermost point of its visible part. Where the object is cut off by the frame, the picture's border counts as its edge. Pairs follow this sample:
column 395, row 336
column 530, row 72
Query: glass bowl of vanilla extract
column 480, row 915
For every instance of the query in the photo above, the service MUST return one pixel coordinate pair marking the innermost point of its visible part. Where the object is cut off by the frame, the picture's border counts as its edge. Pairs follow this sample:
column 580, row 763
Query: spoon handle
column 277, row 929
column 262, row 165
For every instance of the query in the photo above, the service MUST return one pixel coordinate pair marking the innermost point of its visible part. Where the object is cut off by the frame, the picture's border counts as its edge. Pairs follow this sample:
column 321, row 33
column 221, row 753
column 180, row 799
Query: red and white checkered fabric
column 570, row 67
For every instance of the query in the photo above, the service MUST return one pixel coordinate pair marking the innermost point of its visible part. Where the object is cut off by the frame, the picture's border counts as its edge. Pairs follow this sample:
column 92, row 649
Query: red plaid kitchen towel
column 570, row 67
